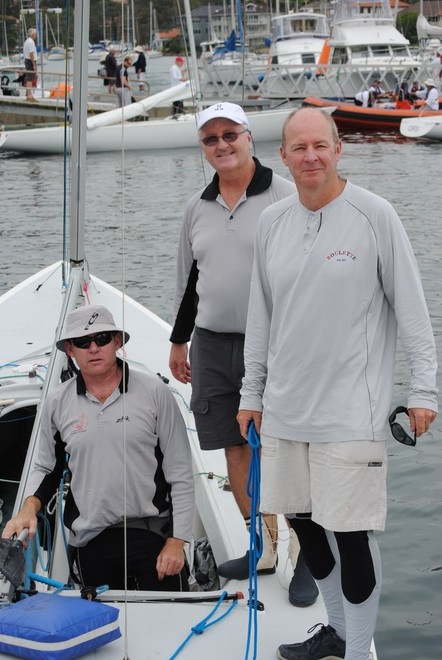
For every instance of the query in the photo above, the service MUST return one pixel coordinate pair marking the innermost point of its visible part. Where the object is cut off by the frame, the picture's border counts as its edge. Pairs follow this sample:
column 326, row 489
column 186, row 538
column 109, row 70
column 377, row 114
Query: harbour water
column 134, row 209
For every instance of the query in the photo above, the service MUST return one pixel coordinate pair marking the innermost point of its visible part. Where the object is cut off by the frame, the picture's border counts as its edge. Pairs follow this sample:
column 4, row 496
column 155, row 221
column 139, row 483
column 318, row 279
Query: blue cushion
column 53, row 627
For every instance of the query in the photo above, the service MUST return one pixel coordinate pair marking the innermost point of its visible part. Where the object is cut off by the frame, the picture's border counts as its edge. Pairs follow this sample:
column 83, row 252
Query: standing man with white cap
column 30, row 57
column 85, row 419
column 177, row 76
column 430, row 94
column 215, row 257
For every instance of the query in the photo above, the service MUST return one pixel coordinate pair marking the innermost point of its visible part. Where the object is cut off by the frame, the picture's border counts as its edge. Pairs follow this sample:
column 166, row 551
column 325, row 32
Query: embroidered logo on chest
column 341, row 255
column 81, row 424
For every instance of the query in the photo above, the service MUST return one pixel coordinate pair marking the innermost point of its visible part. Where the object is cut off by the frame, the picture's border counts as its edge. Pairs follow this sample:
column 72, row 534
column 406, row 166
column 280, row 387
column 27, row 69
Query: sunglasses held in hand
column 397, row 431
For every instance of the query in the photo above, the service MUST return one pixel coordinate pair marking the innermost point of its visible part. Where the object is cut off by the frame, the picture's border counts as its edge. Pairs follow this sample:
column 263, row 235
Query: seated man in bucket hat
column 84, row 419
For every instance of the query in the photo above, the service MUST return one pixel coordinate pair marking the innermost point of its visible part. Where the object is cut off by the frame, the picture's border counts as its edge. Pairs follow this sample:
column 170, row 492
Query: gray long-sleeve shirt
column 329, row 291
column 156, row 453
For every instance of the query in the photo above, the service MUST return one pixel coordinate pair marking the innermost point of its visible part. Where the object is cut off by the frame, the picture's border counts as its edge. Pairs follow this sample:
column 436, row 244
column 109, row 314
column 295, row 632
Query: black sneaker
column 324, row 645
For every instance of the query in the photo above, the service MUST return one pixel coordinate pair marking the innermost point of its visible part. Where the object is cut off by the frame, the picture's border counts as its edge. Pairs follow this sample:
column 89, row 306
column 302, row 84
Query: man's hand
column 26, row 518
column 170, row 561
column 245, row 417
column 420, row 419
column 179, row 364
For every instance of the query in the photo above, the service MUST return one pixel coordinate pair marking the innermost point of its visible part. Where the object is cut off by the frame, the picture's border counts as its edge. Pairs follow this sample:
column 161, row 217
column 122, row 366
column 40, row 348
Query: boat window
column 360, row 52
column 308, row 58
column 401, row 51
column 340, row 56
column 381, row 51
column 296, row 26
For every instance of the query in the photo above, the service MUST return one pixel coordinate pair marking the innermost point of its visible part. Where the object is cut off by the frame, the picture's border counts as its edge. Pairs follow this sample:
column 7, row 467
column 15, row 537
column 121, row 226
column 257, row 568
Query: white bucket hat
column 89, row 321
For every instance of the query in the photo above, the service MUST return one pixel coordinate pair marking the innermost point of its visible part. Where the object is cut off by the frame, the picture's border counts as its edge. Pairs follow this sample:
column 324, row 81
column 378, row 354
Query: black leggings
column 357, row 570
column 101, row 562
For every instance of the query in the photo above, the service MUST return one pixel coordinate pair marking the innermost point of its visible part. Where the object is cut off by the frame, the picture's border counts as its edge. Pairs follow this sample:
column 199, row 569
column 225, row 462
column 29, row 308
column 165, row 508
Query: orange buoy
column 60, row 90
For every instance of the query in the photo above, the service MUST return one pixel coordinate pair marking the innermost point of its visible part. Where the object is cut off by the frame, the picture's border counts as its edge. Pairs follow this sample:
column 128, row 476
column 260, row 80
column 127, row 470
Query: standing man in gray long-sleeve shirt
column 334, row 278
column 101, row 419
column 215, row 259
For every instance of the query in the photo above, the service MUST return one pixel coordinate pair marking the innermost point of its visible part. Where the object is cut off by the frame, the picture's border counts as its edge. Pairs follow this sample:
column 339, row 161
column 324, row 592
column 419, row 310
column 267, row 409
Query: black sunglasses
column 397, row 431
column 228, row 136
column 100, row 339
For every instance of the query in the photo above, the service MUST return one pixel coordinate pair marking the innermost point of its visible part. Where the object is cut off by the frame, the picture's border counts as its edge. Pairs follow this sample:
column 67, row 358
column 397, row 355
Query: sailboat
column 153, row 624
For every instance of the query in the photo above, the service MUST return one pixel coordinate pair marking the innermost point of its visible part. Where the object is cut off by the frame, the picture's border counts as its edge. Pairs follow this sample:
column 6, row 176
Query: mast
column 132, row 10
column 194, row 62
column 79, row 129
column 104, row 21
column 150, row 24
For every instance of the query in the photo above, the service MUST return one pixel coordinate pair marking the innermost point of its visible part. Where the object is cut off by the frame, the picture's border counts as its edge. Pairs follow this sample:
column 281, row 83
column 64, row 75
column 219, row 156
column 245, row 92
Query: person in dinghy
column 85, row 419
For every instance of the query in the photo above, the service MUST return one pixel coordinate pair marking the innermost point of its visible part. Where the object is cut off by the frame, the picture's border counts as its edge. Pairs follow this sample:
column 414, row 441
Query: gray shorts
column 30, row 72
column 342, row 484
column 217, row 364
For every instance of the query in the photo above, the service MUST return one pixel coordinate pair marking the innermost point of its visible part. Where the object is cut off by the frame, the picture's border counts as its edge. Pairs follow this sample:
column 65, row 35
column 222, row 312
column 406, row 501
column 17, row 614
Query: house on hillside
column 217, row 21
column 163, row 38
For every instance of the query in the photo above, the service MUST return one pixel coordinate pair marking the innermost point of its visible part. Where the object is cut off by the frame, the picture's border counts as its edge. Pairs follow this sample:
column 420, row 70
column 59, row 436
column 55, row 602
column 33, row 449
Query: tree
column 406, row 23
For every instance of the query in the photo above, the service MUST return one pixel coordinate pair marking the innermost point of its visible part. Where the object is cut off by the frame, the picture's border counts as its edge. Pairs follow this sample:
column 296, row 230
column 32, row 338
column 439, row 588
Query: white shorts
column 342, row 484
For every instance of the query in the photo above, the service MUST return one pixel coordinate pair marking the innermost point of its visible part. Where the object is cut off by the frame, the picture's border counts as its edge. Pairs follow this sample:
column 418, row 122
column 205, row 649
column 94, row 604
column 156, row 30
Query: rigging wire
column 197, row 98
column 123, row 288
column 66, row 160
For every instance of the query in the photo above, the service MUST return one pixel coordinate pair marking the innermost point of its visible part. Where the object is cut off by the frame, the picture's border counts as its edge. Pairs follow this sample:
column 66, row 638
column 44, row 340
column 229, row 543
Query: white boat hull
column 153, row 630
column 422, row 127
column 135, row 136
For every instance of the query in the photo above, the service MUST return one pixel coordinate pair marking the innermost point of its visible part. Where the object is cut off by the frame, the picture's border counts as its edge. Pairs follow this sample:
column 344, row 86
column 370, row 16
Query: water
column 148, row 208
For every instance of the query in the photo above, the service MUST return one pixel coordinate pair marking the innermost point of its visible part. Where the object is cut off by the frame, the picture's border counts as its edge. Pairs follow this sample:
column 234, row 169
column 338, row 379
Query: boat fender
column 62, row 627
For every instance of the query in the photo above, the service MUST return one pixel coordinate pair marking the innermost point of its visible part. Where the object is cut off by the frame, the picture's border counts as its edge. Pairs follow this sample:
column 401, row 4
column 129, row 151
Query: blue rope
column 60, row 507
column 203, row 625
column 256, row 543
column 49, row 581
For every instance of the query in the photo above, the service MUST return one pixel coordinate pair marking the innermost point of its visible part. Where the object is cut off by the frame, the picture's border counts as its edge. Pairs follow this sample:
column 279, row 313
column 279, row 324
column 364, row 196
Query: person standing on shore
column 140, row 68
column 124, row 89
column 334, row 279
column 30, row 57
column 110, row 64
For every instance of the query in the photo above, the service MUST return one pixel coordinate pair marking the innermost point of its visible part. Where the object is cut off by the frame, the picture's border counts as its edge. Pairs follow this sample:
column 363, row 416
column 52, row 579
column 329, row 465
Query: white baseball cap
column 225, row 110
